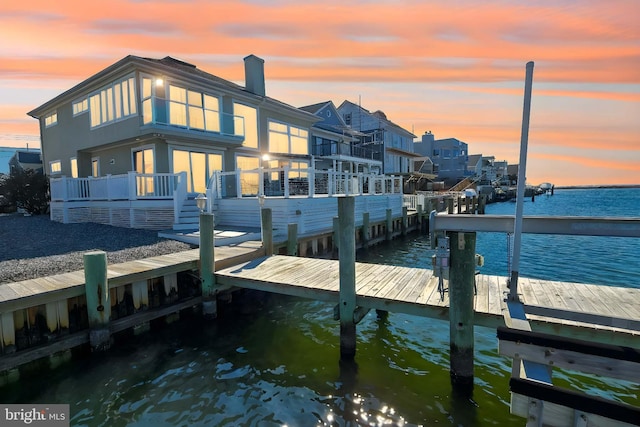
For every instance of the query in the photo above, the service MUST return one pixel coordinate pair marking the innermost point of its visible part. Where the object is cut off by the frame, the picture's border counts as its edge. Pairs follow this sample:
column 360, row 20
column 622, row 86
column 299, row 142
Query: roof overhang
column 403, row 153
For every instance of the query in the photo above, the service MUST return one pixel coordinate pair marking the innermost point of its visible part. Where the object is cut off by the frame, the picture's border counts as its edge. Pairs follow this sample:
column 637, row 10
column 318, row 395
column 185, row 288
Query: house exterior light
column 201, row 202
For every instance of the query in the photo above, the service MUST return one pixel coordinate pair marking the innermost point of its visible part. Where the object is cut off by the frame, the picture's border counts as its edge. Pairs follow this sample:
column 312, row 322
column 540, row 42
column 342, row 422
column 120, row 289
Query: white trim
column 81, row 101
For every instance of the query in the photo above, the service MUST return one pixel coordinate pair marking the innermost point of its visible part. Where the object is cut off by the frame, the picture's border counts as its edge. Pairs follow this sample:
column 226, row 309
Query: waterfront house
column 133, row 144
column 393, row 143
column 338, row 146
column 23, row 160
column 449, row 157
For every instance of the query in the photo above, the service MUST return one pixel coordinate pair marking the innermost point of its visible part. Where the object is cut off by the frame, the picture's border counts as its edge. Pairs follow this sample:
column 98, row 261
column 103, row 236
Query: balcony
column 333, row 148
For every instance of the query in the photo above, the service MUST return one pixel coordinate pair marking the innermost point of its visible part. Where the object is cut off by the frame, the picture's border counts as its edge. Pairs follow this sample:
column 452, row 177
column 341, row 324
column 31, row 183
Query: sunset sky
column 453, row 67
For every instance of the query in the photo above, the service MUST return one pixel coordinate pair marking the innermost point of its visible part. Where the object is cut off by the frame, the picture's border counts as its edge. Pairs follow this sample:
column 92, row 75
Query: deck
column 576, row 307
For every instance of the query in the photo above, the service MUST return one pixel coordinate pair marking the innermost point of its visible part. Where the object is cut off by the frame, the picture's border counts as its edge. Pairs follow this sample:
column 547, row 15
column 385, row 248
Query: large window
column 248, row 127
column 198, row 166
column 144, row 163
column 194, row 110
column 284, row 138
column 113, row 102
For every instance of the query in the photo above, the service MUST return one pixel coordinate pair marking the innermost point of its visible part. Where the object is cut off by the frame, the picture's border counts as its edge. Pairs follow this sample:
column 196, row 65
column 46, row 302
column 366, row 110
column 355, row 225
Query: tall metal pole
column 522, row 168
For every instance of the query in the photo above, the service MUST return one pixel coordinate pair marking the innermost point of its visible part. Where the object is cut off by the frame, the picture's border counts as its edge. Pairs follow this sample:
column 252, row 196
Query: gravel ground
column 35, row 246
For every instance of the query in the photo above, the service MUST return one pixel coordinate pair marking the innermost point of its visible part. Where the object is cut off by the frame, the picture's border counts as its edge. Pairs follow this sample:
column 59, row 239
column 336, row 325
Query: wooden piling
column 7, row 333
column 292, row 240
column 97, row 295
column 420, row 218
column 462, row 274
column 336, row 235
column 389, row 226
column 460, row 205
column 267, row 230
column 347, row 269
column 366, row 230
column 449, row 202
column 207, row 277
column 404, row 225
column 140, row 294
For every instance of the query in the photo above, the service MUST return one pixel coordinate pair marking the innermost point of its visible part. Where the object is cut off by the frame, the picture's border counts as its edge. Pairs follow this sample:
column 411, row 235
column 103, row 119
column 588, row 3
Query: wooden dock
column 573, row 307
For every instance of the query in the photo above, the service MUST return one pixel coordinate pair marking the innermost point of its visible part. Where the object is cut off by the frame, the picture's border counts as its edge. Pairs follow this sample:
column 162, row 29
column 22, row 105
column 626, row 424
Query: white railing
column 432, row 199
column 132, row 186
column 285, row 182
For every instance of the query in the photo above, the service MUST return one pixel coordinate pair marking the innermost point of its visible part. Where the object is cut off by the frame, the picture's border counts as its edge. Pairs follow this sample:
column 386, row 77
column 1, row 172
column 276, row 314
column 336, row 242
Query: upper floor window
column 347, row 119
column 284, row 138
column 55, row 167
column 113, row 102
column 194, row 110
column 436, row 152
column 80, row 106
column 51, row 119
column 247, row 127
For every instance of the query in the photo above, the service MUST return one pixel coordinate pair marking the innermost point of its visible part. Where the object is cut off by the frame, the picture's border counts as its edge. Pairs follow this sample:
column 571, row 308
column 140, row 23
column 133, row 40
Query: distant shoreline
column 587, row 187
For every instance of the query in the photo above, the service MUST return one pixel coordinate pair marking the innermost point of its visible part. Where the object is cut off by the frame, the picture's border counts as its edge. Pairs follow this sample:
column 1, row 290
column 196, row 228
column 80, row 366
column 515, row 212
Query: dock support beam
column 347, row 266
column 207, row 266
column 463, row 250
column 98, row 304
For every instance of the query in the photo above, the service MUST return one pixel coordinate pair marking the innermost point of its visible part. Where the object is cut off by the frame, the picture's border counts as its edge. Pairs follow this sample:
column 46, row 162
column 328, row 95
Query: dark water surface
column 273, row 361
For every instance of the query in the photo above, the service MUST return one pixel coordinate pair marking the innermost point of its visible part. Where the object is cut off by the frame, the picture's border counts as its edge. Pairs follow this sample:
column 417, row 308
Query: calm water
column 273, row 360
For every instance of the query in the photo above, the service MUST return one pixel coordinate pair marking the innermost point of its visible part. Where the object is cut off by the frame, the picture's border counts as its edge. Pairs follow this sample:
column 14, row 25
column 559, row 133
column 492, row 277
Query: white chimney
column 254, row 74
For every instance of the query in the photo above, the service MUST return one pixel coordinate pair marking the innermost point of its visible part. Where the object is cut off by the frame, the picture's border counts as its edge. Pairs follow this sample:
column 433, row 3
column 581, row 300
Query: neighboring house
column 133, row 144
column 381, row 135
column 488, row 169
column 23, row 160
column 449, row 156
column 339, row 147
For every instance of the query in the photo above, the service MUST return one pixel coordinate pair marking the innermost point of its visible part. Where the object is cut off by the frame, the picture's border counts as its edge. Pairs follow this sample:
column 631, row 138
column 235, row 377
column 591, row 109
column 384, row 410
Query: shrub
column 28, row 190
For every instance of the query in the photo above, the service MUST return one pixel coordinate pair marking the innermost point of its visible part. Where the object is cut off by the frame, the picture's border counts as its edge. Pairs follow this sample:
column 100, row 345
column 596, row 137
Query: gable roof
column 340, row 128
column 380, row 116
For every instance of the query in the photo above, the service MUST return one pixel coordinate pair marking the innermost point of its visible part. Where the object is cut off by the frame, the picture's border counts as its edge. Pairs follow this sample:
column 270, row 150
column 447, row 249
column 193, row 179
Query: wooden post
column 467, row 205
column 403, row 226
column 460, row 204
column 482, row 202
column 267, row 231
column 462, row 272
column 419, row 225
column 98, row 304
column 389, row 228
column 292, row 239
column 336, row 235
column 450, row 205
column 207, row 266
column 366, row 230
column 347, row 268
